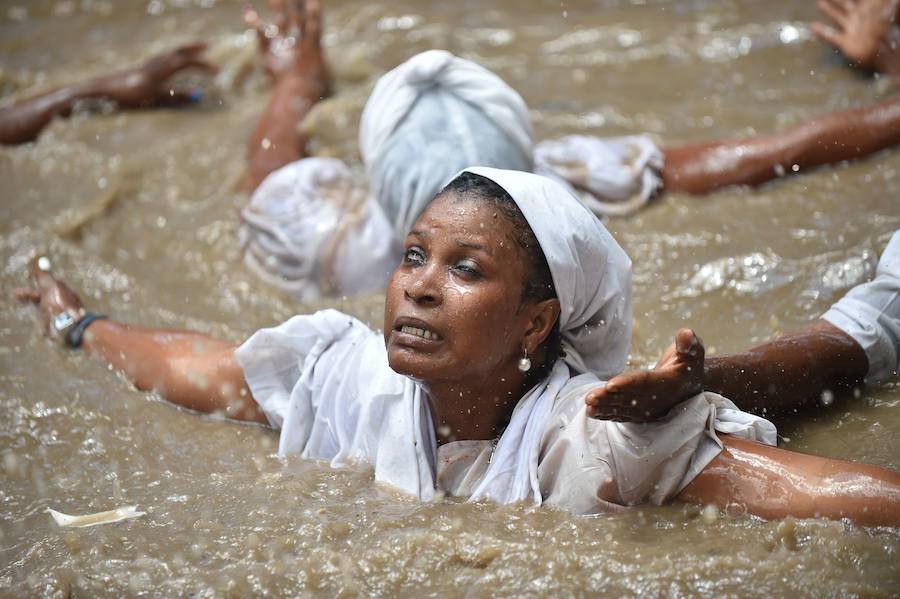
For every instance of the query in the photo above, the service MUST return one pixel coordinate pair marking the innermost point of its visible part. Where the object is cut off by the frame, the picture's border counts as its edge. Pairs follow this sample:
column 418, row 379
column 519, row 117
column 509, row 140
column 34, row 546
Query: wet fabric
column 613, row 176
column 431, row 117
column 309, row 230
column 870, row 313
column 325, row 380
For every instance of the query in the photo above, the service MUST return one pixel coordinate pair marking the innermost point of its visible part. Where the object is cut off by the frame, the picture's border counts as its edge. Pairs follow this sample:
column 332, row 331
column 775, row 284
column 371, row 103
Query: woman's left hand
column 52, row 297
column 648, row 395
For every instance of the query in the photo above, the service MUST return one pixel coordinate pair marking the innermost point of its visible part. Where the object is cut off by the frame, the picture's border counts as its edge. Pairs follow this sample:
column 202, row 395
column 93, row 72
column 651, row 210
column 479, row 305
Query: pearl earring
column 525, row 363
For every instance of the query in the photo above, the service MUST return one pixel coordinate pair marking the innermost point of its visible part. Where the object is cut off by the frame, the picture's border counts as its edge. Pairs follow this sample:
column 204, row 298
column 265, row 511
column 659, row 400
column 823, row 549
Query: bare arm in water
column 865, row 31
column 773, row 483
column 777, row 376
column 292, row 55
column 187, row 368
column 703, row 167
column 145, row 86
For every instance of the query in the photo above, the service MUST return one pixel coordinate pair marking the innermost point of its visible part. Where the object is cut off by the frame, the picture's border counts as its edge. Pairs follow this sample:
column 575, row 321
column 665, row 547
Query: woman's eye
column 414, row 255
column 468, row 268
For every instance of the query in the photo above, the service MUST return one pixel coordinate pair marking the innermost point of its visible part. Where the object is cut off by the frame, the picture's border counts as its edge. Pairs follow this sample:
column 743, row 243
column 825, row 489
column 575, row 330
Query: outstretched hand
column 291, row 44
column 865, row 31
column 148, row 85
column 52, row 297
column 648, row 395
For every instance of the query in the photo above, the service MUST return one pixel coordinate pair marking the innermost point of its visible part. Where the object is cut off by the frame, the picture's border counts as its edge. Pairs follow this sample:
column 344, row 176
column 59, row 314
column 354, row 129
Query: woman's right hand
column 290, row 45
column 52, row 298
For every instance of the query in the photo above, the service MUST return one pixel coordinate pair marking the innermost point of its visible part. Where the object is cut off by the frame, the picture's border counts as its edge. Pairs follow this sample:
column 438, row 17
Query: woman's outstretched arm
column 773, row 483
column 187, row 368
column 778, row 376
column 834, row 137
column 790, row 371
column 145, row 86
column 292, row 55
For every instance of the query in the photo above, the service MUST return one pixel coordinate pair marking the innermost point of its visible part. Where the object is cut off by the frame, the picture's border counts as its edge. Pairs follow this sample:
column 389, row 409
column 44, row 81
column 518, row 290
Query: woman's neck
column 463, row 412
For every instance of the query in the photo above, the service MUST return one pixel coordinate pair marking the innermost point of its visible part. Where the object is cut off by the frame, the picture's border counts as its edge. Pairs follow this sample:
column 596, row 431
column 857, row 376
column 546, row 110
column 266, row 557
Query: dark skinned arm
column 778, row 376
column 834, row 137
column 186, row 368
column 789, row 372
column 145, row 86
column 294, row 60
column 774, row 483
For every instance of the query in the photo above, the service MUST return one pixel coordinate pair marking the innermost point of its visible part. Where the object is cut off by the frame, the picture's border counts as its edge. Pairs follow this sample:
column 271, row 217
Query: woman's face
column 452, row 309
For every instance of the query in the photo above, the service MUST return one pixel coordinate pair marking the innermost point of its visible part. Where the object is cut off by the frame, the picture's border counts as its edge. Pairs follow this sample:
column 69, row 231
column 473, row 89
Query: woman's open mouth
column 423, row 333
column 415, row 333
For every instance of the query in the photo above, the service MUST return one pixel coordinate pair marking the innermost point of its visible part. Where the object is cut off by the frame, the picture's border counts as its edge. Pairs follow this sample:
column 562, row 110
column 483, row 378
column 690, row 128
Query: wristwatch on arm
column 71, row 327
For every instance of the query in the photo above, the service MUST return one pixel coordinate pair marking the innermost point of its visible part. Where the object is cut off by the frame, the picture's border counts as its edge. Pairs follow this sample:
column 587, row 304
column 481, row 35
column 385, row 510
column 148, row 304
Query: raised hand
column 52, row 298
column 290, row 44
column 148, row 85
column 865, row 31
column 648, row 395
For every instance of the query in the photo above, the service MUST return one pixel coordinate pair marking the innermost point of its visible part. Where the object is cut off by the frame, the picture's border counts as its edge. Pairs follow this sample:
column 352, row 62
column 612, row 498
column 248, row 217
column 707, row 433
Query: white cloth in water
column 870, row 313
column 326, row 381
column 310, row 231
column 430, row 117
column 613, row 176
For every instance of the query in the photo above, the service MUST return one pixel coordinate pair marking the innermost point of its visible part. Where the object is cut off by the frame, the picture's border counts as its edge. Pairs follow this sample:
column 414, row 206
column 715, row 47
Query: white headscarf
column 429, row 118
column 591, row 273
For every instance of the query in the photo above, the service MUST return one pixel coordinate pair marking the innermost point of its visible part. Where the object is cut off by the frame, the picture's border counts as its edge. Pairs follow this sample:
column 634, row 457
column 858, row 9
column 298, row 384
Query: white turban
column 591, row 273
column 429, row 118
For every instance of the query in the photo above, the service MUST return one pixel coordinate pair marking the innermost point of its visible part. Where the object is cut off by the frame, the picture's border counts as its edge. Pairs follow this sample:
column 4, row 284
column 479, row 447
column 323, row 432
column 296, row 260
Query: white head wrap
column 591, row 273
column 429, row 118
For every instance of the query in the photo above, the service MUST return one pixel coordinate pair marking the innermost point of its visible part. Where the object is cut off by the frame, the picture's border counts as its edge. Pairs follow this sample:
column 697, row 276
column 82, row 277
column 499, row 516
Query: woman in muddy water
column 511, row 304
column 311, row 231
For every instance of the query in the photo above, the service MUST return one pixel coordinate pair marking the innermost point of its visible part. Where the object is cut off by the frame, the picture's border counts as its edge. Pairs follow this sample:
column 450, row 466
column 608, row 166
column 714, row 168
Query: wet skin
column 454, row 321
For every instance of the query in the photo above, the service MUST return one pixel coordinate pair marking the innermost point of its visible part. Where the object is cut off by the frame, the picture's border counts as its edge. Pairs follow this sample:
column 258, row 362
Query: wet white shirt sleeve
column 324, row 380
column 589, row 466
column 870, row 313
column 301, row 375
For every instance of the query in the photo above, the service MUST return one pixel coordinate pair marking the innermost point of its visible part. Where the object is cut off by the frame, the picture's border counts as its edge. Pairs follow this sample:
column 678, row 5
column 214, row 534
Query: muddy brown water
column 137, row 212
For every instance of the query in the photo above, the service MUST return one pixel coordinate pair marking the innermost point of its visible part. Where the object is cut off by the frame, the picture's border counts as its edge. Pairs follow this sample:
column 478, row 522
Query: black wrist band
column 75, row 335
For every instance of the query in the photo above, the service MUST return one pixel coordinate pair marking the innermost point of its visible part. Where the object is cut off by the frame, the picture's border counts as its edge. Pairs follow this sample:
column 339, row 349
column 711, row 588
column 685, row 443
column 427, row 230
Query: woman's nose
column 423, row 286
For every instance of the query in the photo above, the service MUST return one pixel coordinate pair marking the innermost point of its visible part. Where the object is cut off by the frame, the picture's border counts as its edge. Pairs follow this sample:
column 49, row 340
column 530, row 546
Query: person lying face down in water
column 311, row 231
column 511, row 303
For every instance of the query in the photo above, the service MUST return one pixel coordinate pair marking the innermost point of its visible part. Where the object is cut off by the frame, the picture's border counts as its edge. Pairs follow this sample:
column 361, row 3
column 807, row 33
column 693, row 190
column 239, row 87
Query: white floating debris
column 789, row 34
column 117, row 515
column 44, row 263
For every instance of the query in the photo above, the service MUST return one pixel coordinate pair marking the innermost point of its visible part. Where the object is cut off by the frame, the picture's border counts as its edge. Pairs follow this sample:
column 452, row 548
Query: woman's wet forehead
column 468, row 222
